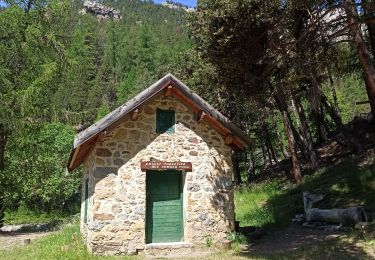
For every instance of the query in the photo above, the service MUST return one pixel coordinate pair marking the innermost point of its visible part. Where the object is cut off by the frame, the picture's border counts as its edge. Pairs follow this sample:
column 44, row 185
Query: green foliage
column 23, row 215
column 350, row 89
column 35, row 174
column 237, row 240
column 102, row 111
column 209, row 241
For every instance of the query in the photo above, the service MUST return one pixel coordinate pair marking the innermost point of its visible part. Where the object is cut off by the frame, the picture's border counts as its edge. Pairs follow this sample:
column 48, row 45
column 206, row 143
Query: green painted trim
column 182, row 206
column 86, row 199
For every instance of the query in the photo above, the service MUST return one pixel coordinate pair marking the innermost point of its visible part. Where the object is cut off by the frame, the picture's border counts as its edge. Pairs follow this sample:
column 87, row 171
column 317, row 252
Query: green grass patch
column 274, row 203
column 251, row 203
column 24, row 215
column 237, row 240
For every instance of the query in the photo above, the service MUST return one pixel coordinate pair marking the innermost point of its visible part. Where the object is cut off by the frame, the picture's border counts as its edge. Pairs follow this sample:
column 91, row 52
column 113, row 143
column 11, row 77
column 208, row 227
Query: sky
column 191, row 3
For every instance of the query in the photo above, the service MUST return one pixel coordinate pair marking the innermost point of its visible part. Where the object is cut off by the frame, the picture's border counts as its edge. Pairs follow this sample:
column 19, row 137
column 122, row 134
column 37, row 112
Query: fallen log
column 346, row 217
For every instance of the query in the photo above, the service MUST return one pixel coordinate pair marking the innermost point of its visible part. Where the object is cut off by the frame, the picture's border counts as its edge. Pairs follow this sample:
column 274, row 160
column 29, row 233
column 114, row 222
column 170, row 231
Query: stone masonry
column 117, row 186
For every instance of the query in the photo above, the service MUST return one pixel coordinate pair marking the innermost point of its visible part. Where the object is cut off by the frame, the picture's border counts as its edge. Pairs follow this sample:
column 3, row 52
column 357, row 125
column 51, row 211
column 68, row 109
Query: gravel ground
column 13, row 235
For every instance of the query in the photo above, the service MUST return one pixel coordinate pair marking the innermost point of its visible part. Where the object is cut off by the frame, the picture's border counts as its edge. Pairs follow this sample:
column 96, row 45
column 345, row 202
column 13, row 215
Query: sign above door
column 178, row 166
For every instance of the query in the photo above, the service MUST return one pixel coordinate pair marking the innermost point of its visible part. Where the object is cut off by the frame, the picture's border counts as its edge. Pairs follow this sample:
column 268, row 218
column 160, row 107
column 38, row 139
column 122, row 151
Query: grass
column 64, row 244
column 251, row 203
column 24, row 215
column 274, row 203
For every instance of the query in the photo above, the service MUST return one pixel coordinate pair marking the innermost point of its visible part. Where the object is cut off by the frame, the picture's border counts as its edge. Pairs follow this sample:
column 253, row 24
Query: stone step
column 172, row 250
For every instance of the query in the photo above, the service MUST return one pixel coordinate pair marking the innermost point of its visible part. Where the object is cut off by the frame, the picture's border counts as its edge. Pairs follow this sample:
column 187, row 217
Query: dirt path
column 295, row 242
column 291, row 238
column 14, row 235
column 8, row 240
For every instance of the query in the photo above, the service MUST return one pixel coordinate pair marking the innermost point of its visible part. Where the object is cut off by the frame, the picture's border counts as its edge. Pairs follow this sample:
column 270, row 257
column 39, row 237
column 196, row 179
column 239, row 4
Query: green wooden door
column 164, row 218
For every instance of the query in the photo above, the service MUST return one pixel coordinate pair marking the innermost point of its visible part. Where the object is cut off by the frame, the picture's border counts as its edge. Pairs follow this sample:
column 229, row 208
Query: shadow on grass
column 342, row 185
column 313, row 248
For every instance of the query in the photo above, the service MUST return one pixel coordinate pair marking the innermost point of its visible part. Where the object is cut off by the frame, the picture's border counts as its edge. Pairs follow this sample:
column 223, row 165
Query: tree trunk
column 2, row 209
column 370, row 26
column 251, row 169
column 263, row 150
column 307, row 134
column 298, row 122
column 292, row 148
column 364, row 57
column 297, row 137
column 334, row 94
column 279, row 140
column 236, row 168
column 319, row 123
column 371, row 34
column 268, row 153
column 269, row 144
column 280, row 101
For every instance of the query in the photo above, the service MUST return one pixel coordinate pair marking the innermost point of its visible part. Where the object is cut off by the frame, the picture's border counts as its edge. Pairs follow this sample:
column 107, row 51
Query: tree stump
column 26, row 241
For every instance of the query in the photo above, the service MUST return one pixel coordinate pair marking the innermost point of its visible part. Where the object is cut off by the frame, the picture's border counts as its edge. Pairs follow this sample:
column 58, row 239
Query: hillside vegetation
column 60, row 71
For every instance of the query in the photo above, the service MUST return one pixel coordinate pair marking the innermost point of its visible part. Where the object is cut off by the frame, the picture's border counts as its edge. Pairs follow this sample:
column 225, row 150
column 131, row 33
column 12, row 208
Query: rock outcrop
column 100, row 11
column 173, row 5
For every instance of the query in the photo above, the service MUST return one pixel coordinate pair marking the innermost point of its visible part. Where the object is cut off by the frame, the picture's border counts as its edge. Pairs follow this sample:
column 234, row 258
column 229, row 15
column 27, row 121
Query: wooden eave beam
column 134, row 115
column 76, row 151
column 229, row 139
column 168, row 91
column 201, row 116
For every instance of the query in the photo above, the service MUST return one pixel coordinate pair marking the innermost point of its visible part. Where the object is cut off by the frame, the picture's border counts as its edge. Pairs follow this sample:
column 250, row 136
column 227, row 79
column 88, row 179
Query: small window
column 165, row 121
column 86, row 199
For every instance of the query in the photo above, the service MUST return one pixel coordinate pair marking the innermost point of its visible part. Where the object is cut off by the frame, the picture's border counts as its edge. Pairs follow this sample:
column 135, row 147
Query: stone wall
column 117, row 203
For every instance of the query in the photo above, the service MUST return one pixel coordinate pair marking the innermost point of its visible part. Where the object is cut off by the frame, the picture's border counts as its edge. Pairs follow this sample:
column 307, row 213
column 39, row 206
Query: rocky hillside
column 100, row 11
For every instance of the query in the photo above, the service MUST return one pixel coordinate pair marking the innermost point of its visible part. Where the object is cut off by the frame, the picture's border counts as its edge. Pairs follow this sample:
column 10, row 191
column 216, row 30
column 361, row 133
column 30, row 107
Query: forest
column 293, row 75
column 62, row 71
